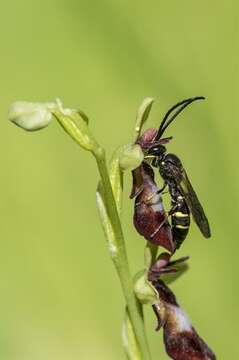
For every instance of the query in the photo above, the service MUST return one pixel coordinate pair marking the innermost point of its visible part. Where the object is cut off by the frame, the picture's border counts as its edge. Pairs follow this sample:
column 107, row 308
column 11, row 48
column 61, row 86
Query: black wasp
column 183, row 197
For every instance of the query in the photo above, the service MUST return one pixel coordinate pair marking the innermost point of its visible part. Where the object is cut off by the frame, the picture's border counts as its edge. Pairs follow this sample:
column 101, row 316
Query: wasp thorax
column 173, row 159
column 171, row 168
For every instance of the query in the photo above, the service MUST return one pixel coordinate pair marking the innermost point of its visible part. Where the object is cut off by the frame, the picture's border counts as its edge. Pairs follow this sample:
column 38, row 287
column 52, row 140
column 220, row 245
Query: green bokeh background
column 59, row 295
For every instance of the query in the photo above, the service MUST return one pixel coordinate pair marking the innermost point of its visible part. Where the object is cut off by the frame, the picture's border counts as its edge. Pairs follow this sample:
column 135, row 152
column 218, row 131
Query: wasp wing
column 194, row 205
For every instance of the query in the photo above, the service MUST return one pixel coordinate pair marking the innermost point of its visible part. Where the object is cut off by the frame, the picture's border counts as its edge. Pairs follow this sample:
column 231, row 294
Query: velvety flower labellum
column 181, row 340
column 150, row 219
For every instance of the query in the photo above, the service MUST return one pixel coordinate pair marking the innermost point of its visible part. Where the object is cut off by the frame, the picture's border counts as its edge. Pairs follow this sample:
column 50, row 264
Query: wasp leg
column 172, row 210
column 149, row 157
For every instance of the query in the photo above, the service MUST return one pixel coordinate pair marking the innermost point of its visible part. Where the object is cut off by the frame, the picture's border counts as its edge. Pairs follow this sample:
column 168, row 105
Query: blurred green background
column 59, row 295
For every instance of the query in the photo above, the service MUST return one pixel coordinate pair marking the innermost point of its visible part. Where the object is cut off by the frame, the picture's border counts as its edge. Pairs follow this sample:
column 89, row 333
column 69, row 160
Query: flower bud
column 30, row 116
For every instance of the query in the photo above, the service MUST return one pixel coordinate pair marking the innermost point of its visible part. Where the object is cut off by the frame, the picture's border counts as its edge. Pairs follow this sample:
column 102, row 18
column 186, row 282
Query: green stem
column 76, row 126
column 129, row 341
column 121, row 260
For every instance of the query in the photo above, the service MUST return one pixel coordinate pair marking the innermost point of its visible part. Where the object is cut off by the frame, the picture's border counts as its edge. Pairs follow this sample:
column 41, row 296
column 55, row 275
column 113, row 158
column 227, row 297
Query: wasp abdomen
column 180, row 220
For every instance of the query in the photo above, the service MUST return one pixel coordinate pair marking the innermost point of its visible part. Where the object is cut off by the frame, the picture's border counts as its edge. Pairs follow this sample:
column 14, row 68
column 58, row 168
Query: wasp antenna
column 181, row 105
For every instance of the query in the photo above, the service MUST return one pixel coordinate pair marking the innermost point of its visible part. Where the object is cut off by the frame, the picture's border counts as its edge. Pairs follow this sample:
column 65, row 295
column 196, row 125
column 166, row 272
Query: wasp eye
column 154, row 151
column 157, row 150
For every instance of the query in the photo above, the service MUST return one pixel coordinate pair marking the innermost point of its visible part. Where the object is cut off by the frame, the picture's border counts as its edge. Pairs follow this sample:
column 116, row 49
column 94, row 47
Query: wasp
column 184, row 200
column 150, row 218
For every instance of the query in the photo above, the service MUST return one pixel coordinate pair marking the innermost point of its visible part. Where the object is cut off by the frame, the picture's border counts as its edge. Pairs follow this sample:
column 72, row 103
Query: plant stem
column 129, row 341
column 76, row 126
column 121, row 260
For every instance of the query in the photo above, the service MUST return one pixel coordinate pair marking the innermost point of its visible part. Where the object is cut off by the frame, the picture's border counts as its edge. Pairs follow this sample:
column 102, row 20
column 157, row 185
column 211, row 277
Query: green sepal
column 144, row 290
column 142, row 115
column 75, row 123
column 130, row 157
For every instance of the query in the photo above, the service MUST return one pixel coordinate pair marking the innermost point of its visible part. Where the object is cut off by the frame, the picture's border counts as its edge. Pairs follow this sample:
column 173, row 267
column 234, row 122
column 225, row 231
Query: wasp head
column 157, row 152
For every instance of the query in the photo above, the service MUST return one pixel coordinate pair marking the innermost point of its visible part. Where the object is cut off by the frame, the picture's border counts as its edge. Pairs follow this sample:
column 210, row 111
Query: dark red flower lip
column 181, row 340
column 150, row 218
